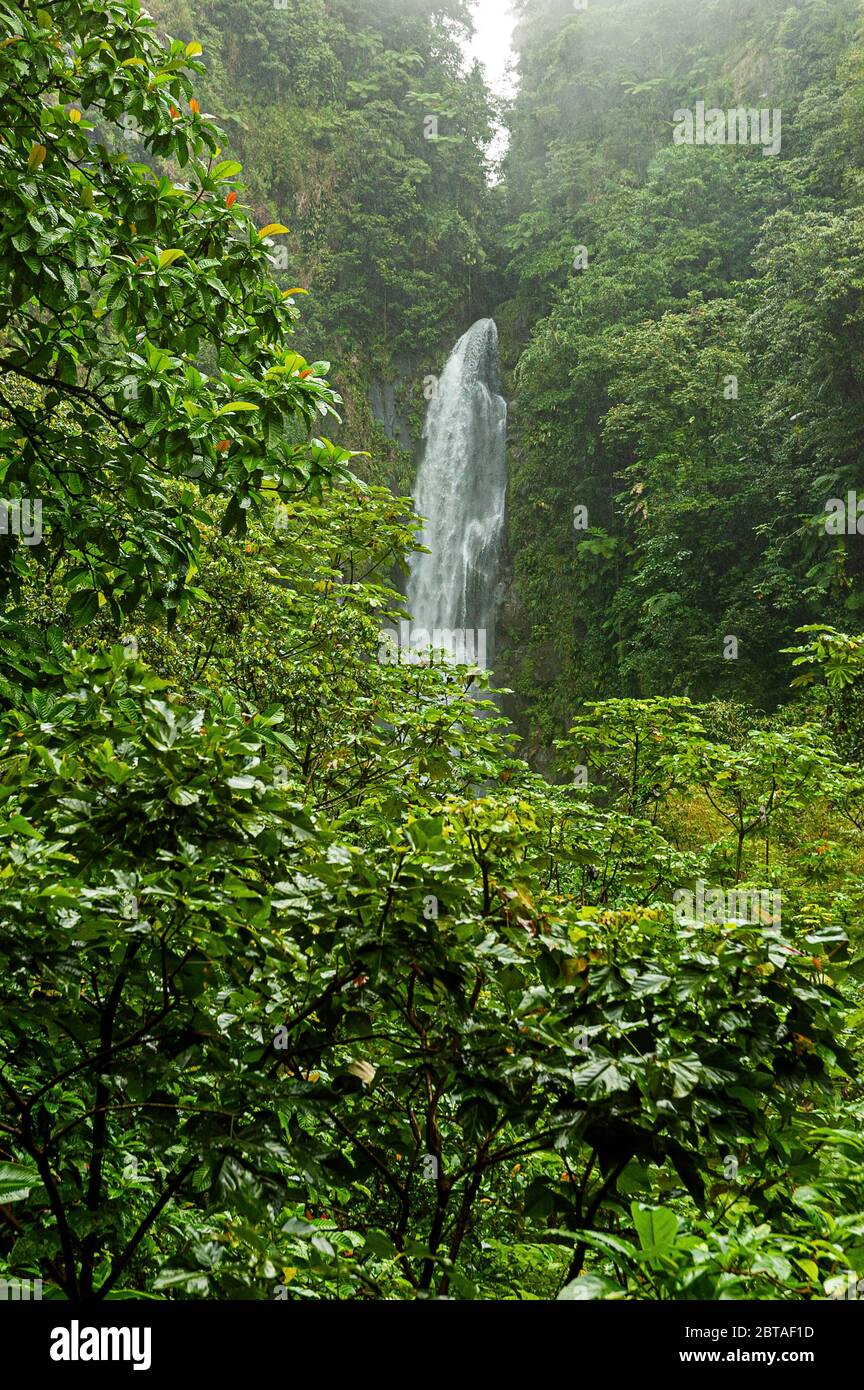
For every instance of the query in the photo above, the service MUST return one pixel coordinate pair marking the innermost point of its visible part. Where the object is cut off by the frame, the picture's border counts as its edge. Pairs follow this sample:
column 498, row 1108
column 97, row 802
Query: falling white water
column 461, row 491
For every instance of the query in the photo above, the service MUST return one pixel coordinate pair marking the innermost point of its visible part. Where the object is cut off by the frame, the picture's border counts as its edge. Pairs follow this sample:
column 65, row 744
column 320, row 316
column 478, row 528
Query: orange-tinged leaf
column 231, row 199
column 36, row 156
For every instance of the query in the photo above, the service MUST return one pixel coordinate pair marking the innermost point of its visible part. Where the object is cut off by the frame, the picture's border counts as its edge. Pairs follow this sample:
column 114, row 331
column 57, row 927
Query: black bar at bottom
column 83, row 1341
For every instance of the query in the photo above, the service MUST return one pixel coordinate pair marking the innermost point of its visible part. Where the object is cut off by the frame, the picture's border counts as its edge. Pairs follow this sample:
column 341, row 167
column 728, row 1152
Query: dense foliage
column 310, row 987
column 358, row 128
column 692, row 378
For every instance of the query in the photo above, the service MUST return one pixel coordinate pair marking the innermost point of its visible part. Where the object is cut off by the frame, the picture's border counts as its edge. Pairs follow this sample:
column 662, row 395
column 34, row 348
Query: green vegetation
column 331, row 109
column 696, row 385
column 311, row 986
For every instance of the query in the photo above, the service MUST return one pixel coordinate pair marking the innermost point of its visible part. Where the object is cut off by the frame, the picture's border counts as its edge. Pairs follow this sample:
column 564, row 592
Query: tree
column 120, row 282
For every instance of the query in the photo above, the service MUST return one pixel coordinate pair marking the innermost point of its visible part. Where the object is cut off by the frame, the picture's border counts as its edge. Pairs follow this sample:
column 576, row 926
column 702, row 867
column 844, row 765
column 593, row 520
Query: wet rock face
column 385, row 408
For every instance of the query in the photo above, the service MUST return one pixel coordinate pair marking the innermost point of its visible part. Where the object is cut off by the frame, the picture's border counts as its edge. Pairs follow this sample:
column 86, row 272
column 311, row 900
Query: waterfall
column 460, row 491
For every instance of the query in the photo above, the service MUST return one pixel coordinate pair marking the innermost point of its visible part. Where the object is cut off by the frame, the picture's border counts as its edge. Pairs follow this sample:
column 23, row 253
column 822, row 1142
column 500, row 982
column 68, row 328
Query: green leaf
column 17, row 1181
column 83, row 606
column 656, row 1228
column 590, row 1287
column 19, row 825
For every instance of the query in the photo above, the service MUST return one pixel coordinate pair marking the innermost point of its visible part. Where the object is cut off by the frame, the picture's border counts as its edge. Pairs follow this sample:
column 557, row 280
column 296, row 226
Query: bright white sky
column 493, row 21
